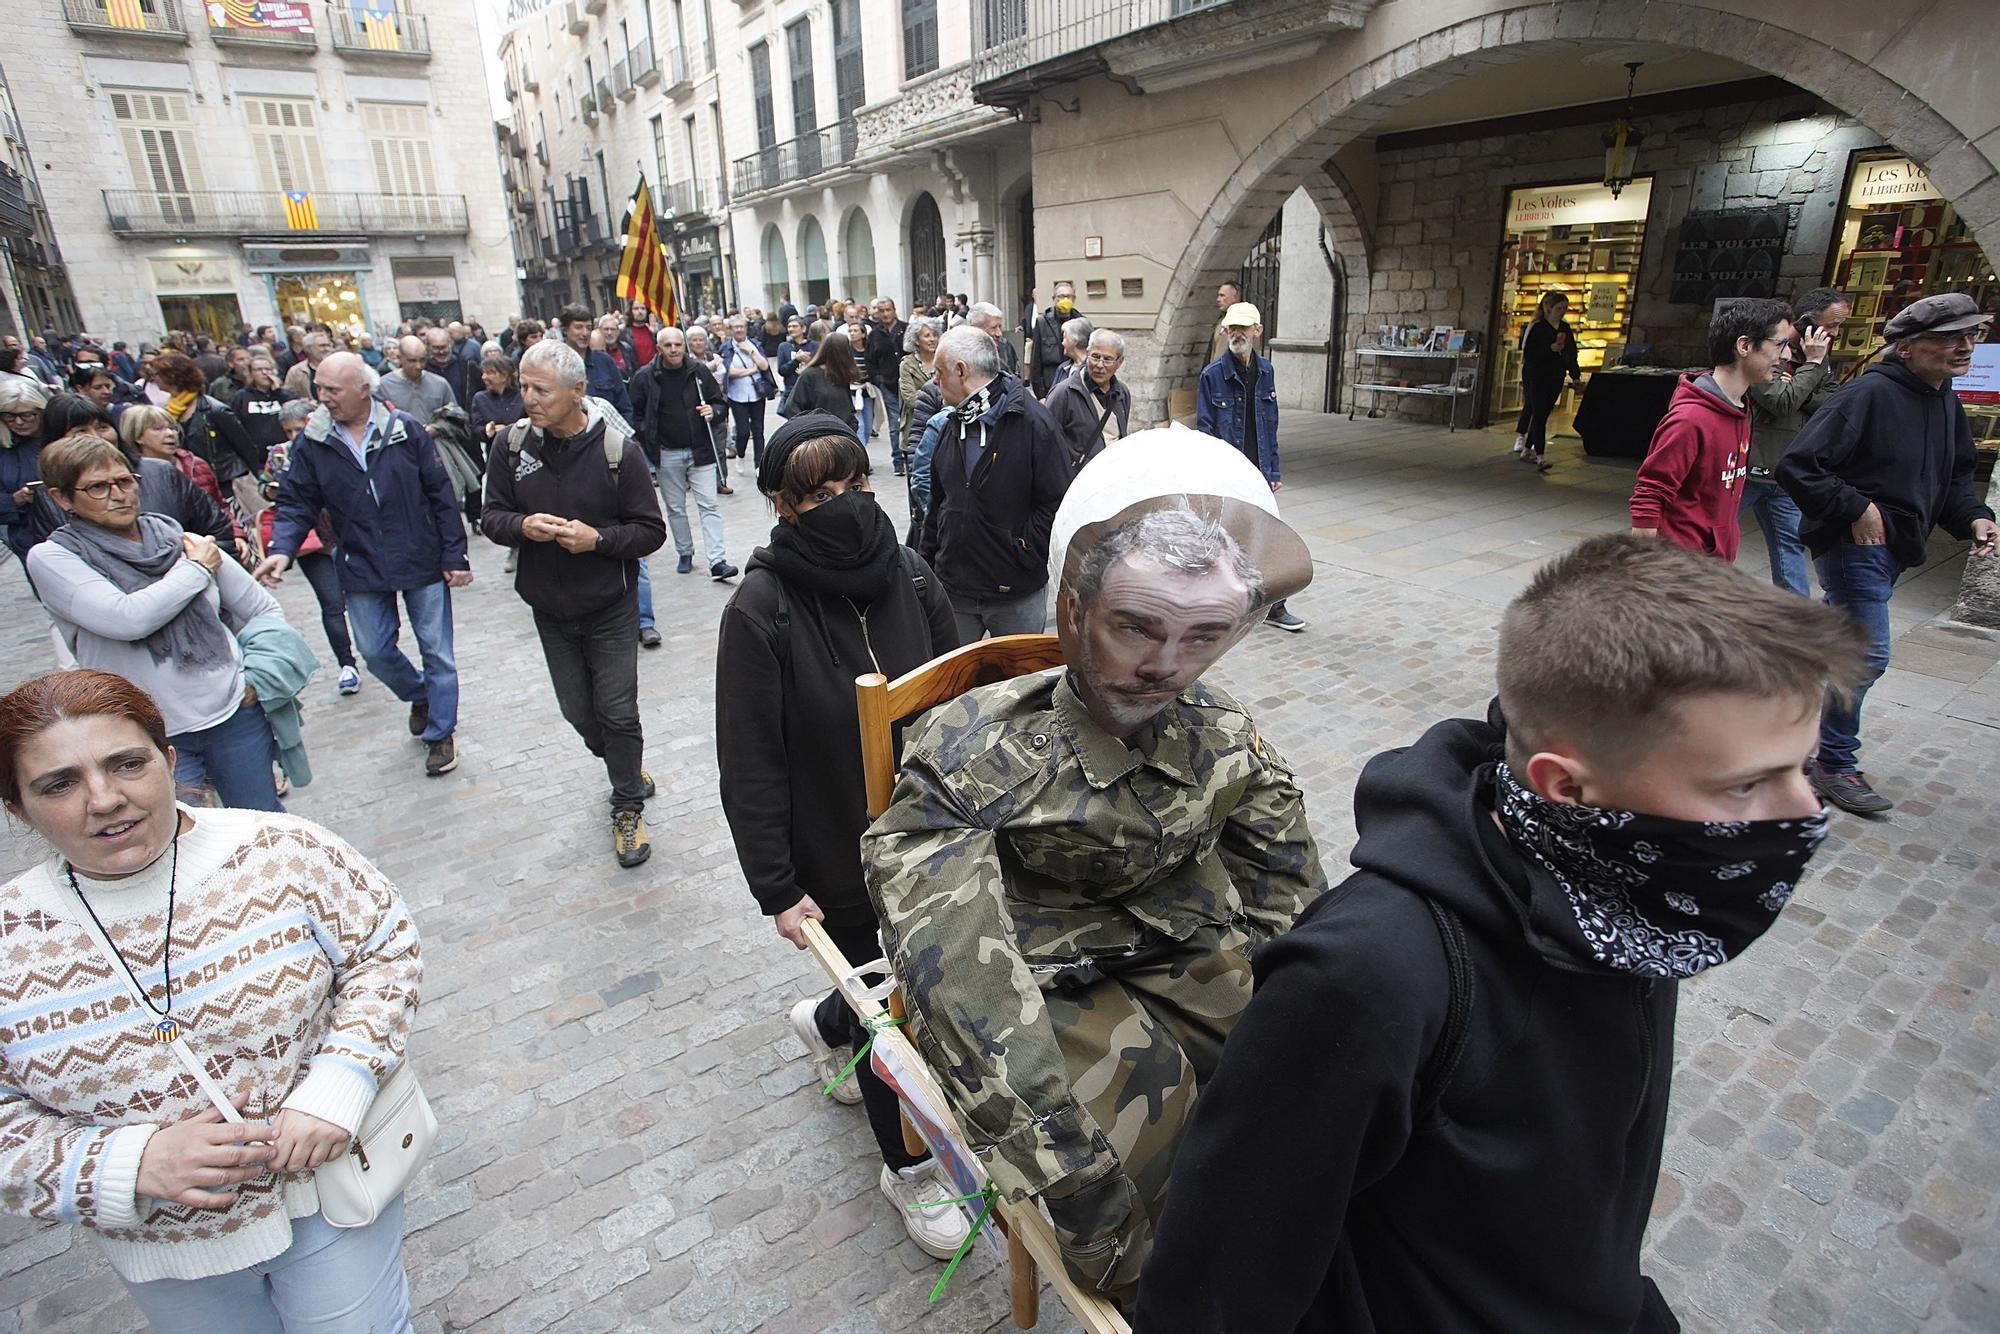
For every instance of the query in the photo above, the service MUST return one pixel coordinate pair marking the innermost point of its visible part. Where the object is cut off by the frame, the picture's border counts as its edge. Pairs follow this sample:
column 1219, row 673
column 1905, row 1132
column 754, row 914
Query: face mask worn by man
column 1655, row 896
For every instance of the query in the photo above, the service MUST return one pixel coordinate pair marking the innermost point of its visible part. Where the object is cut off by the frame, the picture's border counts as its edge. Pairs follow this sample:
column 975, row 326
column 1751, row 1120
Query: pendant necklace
column 166, row 1028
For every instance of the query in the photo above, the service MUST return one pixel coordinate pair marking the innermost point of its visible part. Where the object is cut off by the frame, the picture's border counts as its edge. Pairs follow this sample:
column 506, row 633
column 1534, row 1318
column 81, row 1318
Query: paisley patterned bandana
column 977, row 402
column 1654, row 896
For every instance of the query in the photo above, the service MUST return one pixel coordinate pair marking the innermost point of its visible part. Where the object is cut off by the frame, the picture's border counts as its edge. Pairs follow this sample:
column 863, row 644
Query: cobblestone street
column 632, row 1138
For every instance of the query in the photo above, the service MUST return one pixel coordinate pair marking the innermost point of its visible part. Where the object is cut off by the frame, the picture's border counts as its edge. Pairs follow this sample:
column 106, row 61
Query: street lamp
column 1621, row 141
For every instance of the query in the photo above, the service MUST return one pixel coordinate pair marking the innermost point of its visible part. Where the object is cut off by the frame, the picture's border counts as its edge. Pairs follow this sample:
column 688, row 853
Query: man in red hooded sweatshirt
column 1690, row 487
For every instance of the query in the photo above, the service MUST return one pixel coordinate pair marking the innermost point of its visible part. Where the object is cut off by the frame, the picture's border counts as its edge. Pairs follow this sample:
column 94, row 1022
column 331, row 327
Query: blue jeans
column 328, row 1281
column 1858, row 580
column 892, row 407
column 1021, row 614
column 677, row 476
column 645, row 596
column 1778, row 517
column 376, row 629
column 234, row 757
column 324, row 576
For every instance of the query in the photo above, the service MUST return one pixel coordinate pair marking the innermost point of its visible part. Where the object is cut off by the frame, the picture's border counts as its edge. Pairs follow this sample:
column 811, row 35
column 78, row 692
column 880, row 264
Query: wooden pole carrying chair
column 1031, row 1242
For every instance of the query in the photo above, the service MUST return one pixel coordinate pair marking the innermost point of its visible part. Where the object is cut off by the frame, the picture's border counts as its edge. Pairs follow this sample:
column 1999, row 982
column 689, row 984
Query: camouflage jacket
column 1024, row 842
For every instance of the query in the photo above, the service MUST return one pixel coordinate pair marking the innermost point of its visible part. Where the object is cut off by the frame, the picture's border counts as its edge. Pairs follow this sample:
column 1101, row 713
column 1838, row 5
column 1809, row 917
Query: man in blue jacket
column 605, row 381
column 374, row 470
column 1237, row 401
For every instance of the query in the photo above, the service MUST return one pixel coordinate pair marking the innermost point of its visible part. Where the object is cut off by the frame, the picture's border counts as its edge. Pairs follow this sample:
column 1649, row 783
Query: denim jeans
column 376, row 629
column 594, row 666
column 330, row 1280
column 324, row 576
column 892, row 407
column 1778, row 517
column 1858, row 580
column 678, row 475
column 748, row 418
column 1025, row 614
column 234, row 757
column 645, row 596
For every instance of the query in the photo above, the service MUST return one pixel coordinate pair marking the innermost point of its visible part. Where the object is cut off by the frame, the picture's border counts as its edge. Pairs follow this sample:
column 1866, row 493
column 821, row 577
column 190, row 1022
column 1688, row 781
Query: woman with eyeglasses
column 132, row 593
column 21, row 404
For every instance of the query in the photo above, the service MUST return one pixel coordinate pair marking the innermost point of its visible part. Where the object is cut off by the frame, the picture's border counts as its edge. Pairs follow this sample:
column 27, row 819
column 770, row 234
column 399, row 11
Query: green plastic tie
column 991, row 1196
column 874, row 1026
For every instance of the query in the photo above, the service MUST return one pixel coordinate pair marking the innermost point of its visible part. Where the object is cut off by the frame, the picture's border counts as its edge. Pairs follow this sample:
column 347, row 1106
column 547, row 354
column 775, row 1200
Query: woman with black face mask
column 834, row 596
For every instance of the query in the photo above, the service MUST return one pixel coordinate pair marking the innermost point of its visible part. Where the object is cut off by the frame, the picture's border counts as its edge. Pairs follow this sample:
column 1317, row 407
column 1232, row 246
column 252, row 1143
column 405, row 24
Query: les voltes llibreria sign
column 1889, row 180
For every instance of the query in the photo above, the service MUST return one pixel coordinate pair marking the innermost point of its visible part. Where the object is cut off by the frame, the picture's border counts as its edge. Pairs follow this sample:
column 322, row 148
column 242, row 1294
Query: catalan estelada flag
column 300, row 215
column 643, row 272
column 378, row 24
column 124, row 14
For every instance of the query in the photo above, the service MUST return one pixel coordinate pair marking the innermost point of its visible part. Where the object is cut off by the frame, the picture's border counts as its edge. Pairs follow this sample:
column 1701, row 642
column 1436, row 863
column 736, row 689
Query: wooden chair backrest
column 883, row 703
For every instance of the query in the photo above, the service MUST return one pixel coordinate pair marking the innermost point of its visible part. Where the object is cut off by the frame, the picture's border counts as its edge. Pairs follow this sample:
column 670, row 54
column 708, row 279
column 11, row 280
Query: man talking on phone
column 1886, row 460
column 1779, row 408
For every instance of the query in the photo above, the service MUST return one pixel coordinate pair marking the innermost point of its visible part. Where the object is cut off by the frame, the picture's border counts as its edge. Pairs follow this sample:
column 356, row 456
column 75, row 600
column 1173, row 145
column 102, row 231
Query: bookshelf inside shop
column 1593, row 264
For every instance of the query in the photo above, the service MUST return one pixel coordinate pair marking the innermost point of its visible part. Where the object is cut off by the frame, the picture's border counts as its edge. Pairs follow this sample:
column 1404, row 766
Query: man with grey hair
column 1045, row 354
column 571, row 490
column 985, row 315
column 701, row 351
column 375, row 472
column 415, row 388
column 315, row 347
column 1075, row 340
column 1093, row 407
column 881, row 358
column 999, row 471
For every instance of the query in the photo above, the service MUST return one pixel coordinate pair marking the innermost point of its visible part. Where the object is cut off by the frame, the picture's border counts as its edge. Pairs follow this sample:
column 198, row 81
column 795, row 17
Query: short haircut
column 67, row 414
column 1078, row 331
column 559, row 357
column 973, row 347
column 1114, row 340
column 41, row 702
column 1754, row 318
column 1814, row 303
column 985, row 310
column 1232, row 285
column 1175, row 539
column 63, row 461
column 295, row 410
column 815, row 462
column 84, row 372
column 263, row 356
column 572, row 313
column 177, row 373
column 1611, row 636
column 503, row 364
column 529, row 329
column 136, row 421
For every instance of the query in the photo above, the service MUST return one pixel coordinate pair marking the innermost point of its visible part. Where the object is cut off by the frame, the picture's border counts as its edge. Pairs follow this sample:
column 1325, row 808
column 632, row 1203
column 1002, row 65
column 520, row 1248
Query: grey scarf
column 195, row 637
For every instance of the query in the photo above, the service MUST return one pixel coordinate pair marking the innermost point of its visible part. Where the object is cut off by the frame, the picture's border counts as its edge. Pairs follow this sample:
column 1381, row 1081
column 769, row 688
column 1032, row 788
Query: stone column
column 980, row 237
column 1979, row 594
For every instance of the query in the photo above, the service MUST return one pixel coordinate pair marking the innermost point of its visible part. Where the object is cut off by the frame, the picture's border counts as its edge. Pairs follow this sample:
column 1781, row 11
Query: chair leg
column 1024, row 1284
column 913, row 1143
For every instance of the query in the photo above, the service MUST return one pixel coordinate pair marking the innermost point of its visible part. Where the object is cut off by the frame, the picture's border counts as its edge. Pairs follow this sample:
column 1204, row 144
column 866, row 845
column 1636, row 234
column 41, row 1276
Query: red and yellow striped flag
column 300, row 215
column 124, row 14
column 643, row 272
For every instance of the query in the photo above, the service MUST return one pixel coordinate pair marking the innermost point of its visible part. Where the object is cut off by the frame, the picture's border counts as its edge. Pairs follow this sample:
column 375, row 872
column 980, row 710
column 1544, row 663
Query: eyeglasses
column 110, row 486
column 1969, row 337
column 23, row 415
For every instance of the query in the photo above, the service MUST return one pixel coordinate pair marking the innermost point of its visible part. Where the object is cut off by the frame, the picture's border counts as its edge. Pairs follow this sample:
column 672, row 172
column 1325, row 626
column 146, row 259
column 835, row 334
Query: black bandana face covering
column 1659, row 897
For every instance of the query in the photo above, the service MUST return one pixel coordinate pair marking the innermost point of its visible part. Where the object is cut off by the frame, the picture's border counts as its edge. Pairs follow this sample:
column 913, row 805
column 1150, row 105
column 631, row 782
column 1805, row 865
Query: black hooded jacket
column 1335, row 1178
column 787, row 735
column 1892, row 439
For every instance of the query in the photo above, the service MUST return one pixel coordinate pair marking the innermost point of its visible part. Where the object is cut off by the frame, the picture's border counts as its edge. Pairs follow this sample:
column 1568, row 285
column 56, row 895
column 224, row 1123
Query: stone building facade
column 204, row 176
column 34, row 282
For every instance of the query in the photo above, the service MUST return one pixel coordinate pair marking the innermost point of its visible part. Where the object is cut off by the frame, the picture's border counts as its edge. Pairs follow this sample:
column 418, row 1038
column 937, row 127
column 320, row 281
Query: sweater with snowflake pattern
column 295, row 973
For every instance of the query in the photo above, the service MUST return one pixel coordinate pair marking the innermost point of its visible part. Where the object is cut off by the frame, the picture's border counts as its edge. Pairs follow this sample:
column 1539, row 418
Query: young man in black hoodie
column 583, row 524
column 1886, row 460
column 1452, row 1079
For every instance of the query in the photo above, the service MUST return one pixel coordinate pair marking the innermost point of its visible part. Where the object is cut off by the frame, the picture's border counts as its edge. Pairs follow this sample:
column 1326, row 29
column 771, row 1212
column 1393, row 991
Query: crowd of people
column 1097, row 885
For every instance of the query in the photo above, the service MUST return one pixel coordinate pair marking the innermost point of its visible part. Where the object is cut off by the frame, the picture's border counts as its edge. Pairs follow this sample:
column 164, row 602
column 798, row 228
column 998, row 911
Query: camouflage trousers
column 1139, row 1036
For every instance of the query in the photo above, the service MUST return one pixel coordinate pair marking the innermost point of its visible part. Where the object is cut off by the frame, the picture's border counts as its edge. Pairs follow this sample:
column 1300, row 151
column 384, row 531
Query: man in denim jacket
column 1230, row 384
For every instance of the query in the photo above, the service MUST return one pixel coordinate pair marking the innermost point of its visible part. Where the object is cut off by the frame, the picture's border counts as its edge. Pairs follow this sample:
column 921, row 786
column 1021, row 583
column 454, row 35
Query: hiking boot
column 628, row 838
column 722, row 570
column 687, row 564
column 1282, row 617
column 919, row 1194
column 724, row 489
column 649, row 637
column 1850, row 791
column 441, row 757
column 350, row 681
column 828, row 1061
column 420, row 717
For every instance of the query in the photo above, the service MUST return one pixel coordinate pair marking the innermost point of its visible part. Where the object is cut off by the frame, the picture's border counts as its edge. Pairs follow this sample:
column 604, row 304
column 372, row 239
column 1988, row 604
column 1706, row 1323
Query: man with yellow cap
column 1236, row 400
column 1078, row 863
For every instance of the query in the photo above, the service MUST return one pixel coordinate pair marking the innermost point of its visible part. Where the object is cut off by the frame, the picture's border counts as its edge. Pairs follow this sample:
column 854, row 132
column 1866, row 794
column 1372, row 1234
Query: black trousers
column 750, row 427
column 1537, row 402
column 853, row 931
column 594, row 665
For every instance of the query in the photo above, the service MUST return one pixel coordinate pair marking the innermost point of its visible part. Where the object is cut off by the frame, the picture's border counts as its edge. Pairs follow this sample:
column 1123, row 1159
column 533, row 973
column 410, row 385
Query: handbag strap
column 179, row 1045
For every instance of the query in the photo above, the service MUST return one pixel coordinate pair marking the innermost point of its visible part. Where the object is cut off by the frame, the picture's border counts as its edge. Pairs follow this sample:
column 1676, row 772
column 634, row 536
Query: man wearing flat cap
column 1886, row 460
column 1078, row 863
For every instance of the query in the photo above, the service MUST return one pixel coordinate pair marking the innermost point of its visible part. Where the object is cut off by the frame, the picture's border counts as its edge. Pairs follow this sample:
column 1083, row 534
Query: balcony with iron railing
column 126, row 18
column 257, row 212
column 574, row 19
column 604, row 101
column 681, row 200
column 1012, row 37
column 794, row 160
column 674, row 67
column 645, row 65
column 621, row 80
column 17, row 202
column 403, row 36
column 587, row 104
column 266, row 39
column 26, row 250
column 579, row 231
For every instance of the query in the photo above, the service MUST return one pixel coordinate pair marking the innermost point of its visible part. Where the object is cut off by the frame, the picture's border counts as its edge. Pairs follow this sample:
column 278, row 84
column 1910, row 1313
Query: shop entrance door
column 330, row 298
column 216, row 314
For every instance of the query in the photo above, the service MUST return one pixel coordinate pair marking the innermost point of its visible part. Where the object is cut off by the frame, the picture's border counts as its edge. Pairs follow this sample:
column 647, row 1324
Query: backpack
column 1437, row 1073
column 614, row 444
column 781, row 622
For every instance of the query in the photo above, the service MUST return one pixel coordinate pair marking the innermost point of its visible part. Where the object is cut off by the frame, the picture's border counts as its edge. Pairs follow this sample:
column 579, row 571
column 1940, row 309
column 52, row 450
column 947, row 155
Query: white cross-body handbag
column 383, row 1157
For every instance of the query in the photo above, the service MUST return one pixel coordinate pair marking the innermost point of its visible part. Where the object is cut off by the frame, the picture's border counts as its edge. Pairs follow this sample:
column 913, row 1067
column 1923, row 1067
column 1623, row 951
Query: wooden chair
column 1031, row 1242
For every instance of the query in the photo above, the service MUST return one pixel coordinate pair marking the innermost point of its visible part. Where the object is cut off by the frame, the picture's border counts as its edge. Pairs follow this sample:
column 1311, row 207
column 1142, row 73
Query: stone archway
column 1347, row 107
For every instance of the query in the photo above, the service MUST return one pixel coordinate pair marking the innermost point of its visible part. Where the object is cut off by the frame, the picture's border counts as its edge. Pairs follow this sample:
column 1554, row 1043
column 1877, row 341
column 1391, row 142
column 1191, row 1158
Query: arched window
column 928, row 274
column 812, row 262
column 860, row 247
column 777, row 273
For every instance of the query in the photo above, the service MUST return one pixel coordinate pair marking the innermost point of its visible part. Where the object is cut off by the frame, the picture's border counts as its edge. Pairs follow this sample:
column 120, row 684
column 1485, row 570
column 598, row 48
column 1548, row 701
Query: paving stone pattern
column 631, row 1136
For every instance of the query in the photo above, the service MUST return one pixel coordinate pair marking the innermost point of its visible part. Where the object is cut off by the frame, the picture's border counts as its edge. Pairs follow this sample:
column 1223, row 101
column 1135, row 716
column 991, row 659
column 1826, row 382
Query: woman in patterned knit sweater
column 290, row 967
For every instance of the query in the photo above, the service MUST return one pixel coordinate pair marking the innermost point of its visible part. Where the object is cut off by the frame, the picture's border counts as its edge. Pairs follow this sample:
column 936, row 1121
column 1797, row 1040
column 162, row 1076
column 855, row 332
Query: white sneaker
column 919, row 1194
column 1520, row 443
column 827, row 1061
column 350, row 681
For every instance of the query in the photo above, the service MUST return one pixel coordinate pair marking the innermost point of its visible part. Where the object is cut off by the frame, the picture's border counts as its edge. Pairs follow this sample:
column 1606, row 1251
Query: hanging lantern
column 1621, row 141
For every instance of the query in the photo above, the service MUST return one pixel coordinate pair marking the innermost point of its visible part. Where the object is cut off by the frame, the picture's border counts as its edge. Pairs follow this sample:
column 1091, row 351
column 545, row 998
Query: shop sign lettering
column 1573, row 205
column 1889, row 180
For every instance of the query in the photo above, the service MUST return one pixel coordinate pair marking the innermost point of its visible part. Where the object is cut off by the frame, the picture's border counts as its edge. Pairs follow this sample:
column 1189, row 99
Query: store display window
column 1583, row 241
